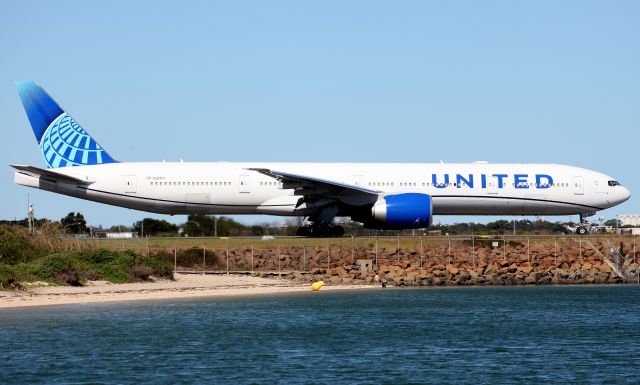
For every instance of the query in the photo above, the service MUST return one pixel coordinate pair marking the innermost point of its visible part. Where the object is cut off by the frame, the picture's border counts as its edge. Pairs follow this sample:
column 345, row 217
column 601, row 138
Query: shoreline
column 185, row 286
column 190, row 286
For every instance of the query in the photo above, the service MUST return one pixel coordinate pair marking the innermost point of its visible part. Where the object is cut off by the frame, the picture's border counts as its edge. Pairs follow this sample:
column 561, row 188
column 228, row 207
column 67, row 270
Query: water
column 451, row 335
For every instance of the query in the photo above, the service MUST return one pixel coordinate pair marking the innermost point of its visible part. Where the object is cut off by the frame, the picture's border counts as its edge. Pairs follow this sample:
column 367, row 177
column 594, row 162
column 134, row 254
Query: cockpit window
column 614, row 183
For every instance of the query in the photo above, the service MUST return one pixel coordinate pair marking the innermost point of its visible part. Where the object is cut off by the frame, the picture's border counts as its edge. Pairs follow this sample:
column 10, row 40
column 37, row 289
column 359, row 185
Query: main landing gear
column 320, row 231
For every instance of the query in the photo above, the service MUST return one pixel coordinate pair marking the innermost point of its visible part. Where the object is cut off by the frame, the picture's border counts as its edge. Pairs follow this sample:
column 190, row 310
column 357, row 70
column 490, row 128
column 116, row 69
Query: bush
column 8, row 278
column 46, row 256
column 141, row 272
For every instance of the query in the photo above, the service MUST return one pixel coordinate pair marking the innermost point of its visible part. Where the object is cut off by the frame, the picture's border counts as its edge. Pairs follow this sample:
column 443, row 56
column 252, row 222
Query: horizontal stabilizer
column 48, row 174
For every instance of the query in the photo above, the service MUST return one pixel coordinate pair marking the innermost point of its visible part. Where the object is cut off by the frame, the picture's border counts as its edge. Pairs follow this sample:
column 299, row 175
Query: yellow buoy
column 316, row 285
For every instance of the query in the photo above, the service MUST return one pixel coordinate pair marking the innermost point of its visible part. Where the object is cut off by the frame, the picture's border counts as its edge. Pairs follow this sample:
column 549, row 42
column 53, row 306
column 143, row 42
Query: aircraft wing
column 49, row 175
column 311, row 186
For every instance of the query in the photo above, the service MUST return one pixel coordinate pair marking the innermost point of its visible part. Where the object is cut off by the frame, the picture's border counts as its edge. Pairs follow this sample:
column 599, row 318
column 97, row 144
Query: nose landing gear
column 584, row 227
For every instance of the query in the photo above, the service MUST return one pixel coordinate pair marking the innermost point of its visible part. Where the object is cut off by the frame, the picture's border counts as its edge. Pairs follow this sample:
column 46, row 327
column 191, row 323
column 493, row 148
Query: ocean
column 508, row 335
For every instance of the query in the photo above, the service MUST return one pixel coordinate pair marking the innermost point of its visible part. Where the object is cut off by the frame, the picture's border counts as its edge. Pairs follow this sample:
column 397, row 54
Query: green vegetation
column 46, row 256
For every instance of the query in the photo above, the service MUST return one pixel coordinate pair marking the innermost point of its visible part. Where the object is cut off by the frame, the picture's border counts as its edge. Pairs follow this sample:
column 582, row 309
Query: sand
column 184, row 286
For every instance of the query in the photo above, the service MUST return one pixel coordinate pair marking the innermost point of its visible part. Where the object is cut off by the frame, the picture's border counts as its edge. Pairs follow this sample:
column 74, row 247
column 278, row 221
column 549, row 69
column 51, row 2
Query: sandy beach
column 184, row 286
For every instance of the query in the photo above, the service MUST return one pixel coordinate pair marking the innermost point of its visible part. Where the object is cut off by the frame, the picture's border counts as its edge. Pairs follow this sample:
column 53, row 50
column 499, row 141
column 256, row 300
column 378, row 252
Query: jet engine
column 402, row 211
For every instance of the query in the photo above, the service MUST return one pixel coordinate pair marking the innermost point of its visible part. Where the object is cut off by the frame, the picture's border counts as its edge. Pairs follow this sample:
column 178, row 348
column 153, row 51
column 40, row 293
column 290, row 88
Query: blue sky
column 371, row 81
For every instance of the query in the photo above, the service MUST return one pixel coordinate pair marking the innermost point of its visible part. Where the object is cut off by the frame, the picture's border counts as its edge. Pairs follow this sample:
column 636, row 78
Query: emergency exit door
column 244, row 184
column 130, row 185
column 578, row 185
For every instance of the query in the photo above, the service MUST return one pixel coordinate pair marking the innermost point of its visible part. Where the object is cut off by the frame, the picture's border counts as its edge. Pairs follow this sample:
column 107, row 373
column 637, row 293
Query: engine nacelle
column 403, row 211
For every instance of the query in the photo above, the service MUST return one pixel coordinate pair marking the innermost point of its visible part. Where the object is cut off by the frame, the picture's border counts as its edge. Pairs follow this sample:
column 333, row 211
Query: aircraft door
column 358, row 180
column 492, row 185
column 578, row 185
column 130, row 184
column 244, row 184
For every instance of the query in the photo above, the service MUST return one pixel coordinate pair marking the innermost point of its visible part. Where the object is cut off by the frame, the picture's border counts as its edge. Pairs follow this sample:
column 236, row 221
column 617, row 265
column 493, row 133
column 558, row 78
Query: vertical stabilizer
column 62, row 141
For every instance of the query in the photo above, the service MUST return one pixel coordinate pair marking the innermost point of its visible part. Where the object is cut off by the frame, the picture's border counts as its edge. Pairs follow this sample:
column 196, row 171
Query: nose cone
column 625, row 194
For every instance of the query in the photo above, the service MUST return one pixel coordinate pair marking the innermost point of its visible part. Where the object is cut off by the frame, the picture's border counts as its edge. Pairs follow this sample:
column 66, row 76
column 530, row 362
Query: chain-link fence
column 305, row 254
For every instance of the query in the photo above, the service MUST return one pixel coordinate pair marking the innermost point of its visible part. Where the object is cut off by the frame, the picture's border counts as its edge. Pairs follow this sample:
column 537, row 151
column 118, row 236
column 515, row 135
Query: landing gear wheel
column 337, row 231
column 303, row 231
column 581, row 230
column 320, row 231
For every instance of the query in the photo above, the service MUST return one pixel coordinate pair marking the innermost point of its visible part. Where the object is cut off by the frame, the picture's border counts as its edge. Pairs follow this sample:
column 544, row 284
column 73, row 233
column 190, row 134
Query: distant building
column 124, row 235
column 629, row 220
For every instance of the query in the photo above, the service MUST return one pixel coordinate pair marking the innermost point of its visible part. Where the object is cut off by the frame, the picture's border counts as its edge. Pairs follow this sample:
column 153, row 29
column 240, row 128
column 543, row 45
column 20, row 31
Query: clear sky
column 372, row 81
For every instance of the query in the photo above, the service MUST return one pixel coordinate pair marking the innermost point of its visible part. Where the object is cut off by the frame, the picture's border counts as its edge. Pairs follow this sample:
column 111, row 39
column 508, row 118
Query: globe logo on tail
column 65, row 143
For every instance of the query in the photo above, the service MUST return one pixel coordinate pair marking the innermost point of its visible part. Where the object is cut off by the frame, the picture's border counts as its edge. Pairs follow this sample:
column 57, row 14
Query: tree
column 613, row 223
column 155, row 227
column 74, row 223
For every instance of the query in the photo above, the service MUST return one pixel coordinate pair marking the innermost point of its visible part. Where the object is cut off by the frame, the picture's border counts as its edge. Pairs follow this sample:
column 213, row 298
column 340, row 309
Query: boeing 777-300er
column 380, row 195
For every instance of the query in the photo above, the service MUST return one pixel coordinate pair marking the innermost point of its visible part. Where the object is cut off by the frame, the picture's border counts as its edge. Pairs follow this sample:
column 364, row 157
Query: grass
column 153, row 245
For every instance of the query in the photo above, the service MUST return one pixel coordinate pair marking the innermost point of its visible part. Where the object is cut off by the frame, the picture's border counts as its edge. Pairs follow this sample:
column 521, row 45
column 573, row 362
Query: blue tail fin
column 62, row 141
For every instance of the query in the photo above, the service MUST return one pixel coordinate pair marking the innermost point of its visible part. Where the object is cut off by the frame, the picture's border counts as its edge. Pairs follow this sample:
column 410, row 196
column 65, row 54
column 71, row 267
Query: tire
column 303, row 231
column 581, row 230
column 337, row 231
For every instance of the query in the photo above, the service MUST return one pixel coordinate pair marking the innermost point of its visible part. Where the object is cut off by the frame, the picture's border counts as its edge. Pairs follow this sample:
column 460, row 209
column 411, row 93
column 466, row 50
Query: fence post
column 555, row 246
column 376, row 250
column 421, row 252
column 175, row 259
column 504, row 248
column 227, row 252
column 328, row 255
column 634, row 249
column 252, row 264
column 304, row 259
column 353, row 251
column 580, row 241
column 147, row 246
column 449, row 249
column 204, row 258
column 279, row 259
column 398, row 250
column 473, row 250
column 528, row 249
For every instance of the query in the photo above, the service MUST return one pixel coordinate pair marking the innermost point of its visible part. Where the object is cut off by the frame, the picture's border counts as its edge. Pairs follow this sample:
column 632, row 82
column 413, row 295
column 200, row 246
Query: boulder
column 526, row 270
column 605, row 268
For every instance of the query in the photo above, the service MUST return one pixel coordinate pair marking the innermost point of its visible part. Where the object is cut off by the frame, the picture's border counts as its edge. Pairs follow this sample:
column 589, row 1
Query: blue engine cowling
column 403, row 211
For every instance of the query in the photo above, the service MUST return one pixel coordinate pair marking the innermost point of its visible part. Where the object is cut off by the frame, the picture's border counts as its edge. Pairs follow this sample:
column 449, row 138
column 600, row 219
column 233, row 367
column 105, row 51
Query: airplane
column 379, row 195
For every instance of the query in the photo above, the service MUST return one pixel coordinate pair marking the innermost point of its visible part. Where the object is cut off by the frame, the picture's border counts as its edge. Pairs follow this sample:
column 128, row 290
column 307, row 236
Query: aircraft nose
column 625, row 194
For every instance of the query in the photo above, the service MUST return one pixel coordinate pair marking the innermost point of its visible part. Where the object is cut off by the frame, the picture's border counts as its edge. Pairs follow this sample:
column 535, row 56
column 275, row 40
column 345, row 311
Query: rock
column 605, row 268
column 545, row 280
column 526, row 270
column 530, row 280
column 365, row 266
column 452, row 270
column 536, row 275
column 490, row 269
column 587, row 266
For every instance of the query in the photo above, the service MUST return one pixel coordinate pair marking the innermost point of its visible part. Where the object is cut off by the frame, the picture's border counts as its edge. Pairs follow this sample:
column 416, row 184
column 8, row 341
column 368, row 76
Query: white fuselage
column 231, row 188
